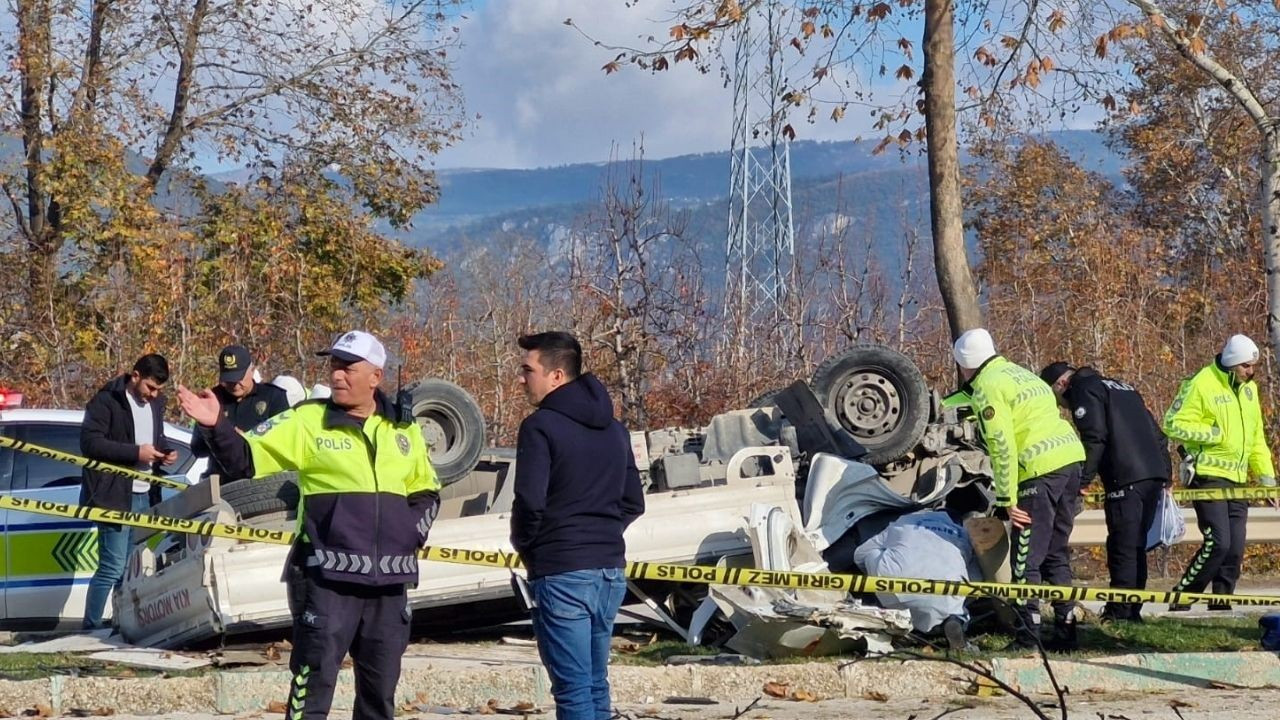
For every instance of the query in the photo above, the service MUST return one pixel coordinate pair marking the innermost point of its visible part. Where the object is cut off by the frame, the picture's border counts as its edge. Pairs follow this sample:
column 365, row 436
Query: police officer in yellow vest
column 1218, row 420
column 1036, row 459
column 368, row 498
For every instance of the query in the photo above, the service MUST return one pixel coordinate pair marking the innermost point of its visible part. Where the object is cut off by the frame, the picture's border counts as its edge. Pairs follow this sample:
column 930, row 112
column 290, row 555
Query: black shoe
column 1114, row 612
column 1065, row 638
column 953, row 629
column 1024, row 641
column 1218, row 607
column 1110, row 617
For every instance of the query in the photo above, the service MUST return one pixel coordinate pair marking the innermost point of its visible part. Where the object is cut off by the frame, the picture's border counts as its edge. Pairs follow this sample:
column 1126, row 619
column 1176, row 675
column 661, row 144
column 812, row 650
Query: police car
column 45, row 561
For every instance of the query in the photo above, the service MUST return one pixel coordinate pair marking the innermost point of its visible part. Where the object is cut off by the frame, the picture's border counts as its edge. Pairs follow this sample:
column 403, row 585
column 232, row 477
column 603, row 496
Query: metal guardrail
column 1264, row 527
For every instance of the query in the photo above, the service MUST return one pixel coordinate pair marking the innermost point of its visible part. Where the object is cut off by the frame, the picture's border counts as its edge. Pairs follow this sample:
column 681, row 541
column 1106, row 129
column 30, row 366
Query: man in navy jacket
column 577, row 489
column 1126, row 448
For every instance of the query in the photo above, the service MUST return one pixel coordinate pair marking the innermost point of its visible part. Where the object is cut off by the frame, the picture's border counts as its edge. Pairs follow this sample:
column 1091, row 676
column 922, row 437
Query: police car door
column 48, row 560
column 6, row 472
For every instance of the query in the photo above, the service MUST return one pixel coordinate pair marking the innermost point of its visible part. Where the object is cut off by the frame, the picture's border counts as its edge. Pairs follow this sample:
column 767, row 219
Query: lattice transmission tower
column 760, row 247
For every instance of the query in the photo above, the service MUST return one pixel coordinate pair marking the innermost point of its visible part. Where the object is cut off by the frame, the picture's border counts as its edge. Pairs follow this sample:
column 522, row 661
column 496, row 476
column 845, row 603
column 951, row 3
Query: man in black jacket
column 1126, row 448
column 576, row 491
column 123, row 425
column 245, row 402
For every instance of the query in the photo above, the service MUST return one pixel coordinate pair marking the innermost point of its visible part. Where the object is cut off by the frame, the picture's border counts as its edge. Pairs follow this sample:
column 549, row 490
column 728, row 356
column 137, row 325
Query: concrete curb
column 445, row 683
column 1145, row 672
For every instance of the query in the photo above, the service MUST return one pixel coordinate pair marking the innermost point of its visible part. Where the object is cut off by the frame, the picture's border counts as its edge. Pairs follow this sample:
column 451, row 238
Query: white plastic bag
column 1168, row 527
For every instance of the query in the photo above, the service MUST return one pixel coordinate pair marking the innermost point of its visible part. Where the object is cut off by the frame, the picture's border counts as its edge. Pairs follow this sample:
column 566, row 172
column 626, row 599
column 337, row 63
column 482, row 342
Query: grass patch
column 34, row 666
column 1173, row 635
column 657, row 652
column 1157, row 635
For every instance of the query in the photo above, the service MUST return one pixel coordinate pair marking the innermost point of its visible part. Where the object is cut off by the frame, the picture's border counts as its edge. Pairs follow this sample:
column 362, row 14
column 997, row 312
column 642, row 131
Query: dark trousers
column 1130, row 510
column 331, row 619
column 1040, row 553
column 1222, row 522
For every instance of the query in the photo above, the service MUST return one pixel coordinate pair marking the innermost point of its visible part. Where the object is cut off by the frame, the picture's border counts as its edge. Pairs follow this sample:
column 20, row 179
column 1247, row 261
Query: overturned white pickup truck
column 702, row 484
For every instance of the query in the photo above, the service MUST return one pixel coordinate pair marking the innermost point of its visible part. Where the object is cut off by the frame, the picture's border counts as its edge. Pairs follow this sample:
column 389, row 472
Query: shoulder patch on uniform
column 402, row 442
column 1248, row 392
column 1177, row 405
column 1079, row 412
column 988, row 413
column 262, row 427
column 260, row 407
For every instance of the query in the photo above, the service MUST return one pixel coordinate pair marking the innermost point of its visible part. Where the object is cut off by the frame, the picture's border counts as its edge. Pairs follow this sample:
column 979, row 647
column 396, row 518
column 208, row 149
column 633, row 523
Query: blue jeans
column 113, row 551
column 573, row 621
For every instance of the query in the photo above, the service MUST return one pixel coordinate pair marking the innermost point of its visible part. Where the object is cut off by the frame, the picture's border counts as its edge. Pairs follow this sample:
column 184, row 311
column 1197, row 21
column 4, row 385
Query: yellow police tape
column 664, row 571
column 1193, row 494
column 1182, row 494
column 51, row 454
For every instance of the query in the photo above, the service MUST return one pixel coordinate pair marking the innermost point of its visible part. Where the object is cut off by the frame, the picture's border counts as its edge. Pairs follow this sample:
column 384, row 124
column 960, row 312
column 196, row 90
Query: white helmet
column 291, row 387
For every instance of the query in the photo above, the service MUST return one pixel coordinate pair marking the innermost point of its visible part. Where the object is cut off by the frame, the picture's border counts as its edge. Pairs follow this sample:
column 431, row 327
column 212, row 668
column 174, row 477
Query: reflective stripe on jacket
column 1219, row 423
column 367, row 491
column 1025, row 435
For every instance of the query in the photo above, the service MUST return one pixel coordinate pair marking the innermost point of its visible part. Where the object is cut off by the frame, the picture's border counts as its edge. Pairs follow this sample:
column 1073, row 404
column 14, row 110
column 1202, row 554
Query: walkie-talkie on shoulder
column 404, row 401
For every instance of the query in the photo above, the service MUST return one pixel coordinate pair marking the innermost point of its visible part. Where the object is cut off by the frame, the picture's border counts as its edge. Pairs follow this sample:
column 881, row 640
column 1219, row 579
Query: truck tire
column 269, row 502
column 765, row 399
column 452, row 424
column 879, row 396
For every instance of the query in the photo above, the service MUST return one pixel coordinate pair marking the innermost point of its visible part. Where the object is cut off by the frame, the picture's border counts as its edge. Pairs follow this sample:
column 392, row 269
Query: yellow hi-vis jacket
column 368, row 493
column 1219, row 423
column 1025, row 435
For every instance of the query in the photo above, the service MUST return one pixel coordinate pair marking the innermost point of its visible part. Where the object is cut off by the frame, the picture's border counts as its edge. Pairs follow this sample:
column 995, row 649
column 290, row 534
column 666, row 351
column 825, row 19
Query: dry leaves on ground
column 275, row 706
column 275, row 650
column 802, row 695
column 874, row 695
column 783, row 690
column 777, row 689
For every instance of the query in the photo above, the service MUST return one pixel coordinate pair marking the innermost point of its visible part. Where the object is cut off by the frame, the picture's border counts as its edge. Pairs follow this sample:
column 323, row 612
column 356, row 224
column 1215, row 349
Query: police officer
column 1218, row 420
column 368, row 498
column 1035, row 458
column 245, row 402
column 1123, row 444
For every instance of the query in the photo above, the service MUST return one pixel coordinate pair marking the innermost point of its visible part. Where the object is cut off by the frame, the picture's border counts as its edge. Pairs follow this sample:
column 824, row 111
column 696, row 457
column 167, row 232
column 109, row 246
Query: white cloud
column 544, row 100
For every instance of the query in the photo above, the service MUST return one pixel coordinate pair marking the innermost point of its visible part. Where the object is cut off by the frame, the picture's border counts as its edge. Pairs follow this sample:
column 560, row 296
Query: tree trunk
column 34, row 50
column 946, row 208
column 1270, row 171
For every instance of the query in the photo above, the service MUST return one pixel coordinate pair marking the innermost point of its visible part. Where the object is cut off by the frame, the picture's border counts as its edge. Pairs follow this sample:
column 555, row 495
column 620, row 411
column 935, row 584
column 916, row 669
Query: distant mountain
column 879, row 198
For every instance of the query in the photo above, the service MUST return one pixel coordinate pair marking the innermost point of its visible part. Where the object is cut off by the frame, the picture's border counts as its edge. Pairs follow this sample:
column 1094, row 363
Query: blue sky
column 544, row 100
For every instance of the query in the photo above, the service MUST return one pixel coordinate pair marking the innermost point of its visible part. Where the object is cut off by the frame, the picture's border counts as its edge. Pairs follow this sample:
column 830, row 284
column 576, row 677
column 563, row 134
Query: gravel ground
column 1191, row 705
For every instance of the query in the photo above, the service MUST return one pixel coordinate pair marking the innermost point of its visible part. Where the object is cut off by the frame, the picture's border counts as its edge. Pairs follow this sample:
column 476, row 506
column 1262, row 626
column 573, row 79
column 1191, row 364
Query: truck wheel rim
column 868, row 404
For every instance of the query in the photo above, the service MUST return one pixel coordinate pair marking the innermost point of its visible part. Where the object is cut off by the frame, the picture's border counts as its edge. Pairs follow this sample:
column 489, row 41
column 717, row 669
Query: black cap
column 233, row 363
column 1053, row 371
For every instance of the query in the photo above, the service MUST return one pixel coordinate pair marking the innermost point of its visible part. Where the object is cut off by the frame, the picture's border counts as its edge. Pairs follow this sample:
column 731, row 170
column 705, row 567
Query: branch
column 86, row 96
column 172, row 139
column 1224, row 77
column 18, row 214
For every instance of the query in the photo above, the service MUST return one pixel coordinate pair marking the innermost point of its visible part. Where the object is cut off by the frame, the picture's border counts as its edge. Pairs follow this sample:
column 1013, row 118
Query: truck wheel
column 765, row 399
column 879, row 396
column 452, row 424
column 269, row 502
